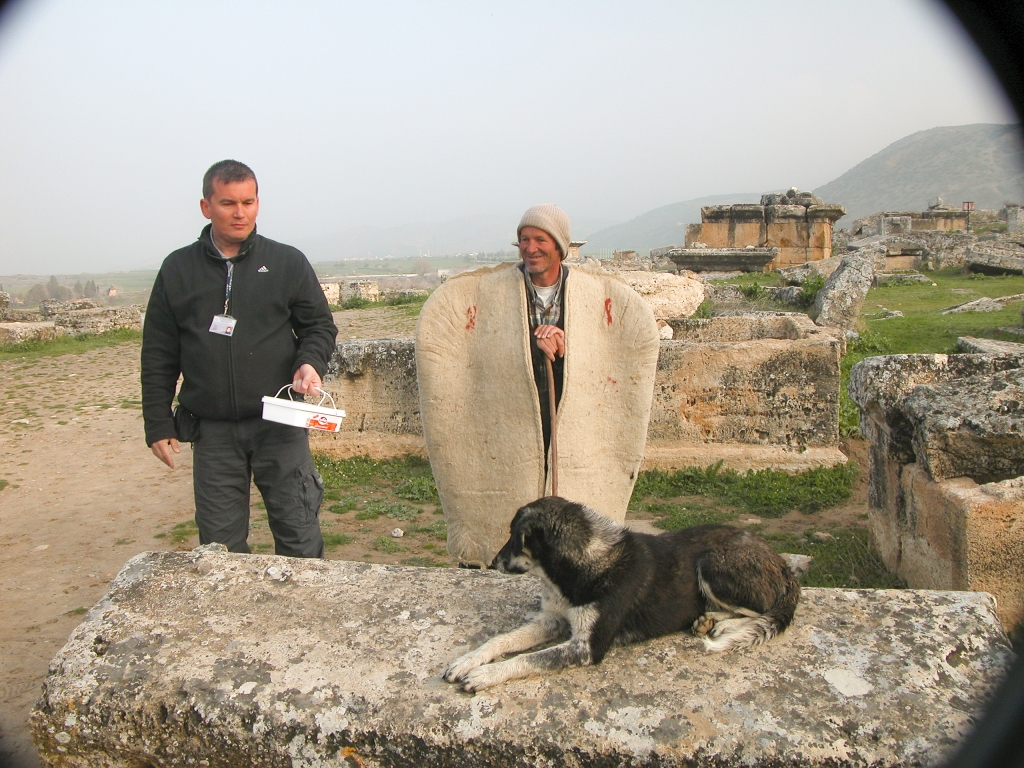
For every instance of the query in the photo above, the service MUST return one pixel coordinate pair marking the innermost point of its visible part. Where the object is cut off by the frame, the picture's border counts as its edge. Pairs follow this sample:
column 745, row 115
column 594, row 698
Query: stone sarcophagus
column 207, row 658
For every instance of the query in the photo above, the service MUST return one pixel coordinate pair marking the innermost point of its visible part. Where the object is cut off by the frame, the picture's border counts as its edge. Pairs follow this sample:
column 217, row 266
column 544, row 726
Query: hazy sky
column 358, row 113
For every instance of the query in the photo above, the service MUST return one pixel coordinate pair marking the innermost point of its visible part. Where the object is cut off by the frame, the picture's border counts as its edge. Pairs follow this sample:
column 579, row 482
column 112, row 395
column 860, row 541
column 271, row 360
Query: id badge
column 223, row 324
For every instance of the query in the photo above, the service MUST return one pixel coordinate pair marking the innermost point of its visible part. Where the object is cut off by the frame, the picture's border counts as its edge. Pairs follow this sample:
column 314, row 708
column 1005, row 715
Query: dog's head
column 549, row 529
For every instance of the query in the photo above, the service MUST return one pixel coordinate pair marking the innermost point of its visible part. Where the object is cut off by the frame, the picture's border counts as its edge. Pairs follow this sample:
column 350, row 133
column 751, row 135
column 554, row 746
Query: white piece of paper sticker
column 223, row 324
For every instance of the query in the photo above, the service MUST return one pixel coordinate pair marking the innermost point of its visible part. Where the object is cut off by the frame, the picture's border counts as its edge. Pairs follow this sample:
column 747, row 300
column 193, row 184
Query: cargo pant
column 227, row 455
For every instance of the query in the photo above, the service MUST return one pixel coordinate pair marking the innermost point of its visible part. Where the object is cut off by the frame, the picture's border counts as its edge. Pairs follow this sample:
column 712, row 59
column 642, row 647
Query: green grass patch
column 395, row 510
column 425, row 562
column 846, row 560
column 766, row 492
column 81, row 610
column 343, row 504
column 3, row 484
column 673, row 517
column 387, row 545
column 357, row 302
column 333, row 540
column 68, row 345
column 261, row 547
column 362, row 471
column 418, row 489
column 437, row 529
column 123, row 542
column 181, row 532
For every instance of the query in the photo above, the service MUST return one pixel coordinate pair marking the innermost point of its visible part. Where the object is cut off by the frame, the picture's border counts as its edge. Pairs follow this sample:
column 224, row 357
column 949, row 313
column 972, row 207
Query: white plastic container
column 299, row 414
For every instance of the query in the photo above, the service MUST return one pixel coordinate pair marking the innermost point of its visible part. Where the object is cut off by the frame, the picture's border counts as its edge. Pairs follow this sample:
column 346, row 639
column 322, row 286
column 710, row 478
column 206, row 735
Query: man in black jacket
column 238, row 316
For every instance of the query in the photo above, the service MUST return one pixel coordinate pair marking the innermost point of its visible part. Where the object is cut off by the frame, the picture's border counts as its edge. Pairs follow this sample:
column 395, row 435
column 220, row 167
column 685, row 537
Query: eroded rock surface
column 216, row 659
column 840, row 300
column 971, row 427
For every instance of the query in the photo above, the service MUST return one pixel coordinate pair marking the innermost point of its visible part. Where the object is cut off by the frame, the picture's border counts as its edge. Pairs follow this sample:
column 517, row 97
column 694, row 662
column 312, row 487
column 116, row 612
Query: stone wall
column 946, row 492
column 766, row 390
column 340, row 292
column 207, row 658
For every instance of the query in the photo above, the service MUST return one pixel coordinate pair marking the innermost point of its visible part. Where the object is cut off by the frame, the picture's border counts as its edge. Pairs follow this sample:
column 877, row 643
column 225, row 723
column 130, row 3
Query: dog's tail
column 750, row 629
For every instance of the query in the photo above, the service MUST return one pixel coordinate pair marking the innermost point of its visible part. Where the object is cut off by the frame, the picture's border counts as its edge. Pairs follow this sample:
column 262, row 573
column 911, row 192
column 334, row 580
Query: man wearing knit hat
column 543, row 240
column 481, row 344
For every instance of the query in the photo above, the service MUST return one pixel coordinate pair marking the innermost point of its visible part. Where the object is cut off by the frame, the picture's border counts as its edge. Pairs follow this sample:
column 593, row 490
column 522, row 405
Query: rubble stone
column 52, row 307
column 5, row 300
column 16, row 333
column 100, row 320
column 668, row 295
column 970, row 427
column 839, row 302
column 218, row 659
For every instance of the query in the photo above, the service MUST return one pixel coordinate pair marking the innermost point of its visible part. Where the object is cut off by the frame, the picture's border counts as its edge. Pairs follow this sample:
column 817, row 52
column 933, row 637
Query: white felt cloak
column 481, row 414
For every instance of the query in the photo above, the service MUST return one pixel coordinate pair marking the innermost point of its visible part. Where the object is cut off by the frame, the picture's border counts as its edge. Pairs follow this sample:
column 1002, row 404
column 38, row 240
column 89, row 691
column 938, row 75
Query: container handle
column 324, row 395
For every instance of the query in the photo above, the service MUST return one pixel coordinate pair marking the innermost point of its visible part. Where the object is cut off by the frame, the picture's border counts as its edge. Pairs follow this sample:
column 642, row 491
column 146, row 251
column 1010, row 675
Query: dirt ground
column 84, row 494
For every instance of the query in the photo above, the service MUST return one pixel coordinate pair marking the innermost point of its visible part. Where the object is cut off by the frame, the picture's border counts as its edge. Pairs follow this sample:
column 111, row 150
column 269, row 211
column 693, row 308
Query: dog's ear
column 528, row 529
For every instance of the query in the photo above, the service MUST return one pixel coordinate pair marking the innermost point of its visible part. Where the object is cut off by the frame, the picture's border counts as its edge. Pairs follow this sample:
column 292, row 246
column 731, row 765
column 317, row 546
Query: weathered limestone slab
column 839, row 302
column 990, row 259
column 668, row 295
column 216, row 659
column 15, row 333
column 976, row 346
column 719, row 259
column 962, row 535
column 970, row 427
column 901, row 278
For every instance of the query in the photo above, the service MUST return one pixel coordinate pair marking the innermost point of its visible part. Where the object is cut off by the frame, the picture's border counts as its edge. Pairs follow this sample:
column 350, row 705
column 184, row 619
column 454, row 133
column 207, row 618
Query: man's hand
column 550, row 340
column 162, row 450
column 306, row 380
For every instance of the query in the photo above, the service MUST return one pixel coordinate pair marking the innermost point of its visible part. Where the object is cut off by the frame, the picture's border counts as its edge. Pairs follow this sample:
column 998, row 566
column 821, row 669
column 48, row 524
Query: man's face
column 540, row 254
column 232, row 210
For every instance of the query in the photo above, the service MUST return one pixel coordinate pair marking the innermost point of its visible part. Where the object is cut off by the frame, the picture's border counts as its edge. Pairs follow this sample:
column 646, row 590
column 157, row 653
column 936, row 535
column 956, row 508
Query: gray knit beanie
column 552, row 220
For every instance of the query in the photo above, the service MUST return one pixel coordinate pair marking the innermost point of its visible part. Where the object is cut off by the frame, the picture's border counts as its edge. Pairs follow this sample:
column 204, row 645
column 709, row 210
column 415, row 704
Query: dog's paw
column 484, row 677
column 703, row 625
column 458, row 669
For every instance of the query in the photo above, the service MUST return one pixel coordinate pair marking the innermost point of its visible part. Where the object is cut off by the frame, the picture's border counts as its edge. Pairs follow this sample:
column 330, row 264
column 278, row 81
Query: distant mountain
column 660, row 227
column 981, row 162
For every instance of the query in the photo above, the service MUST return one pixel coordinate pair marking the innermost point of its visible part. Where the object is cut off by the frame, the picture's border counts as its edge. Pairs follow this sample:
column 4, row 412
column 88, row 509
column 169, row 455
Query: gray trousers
column 227, row 455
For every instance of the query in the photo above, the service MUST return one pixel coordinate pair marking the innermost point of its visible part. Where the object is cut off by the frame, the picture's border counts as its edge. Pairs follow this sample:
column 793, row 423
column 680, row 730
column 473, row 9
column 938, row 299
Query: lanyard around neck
column 227, row 285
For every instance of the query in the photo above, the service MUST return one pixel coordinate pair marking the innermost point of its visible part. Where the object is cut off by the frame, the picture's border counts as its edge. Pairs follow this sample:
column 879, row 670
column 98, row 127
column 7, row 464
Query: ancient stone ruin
column 337, row 293
column 947, row 469
column 176, row 666
column 755, row 391
column 785, row 229
column 66, row 318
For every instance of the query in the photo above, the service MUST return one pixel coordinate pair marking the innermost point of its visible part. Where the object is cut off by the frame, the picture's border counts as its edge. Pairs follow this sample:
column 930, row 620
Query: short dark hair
column 226, row 172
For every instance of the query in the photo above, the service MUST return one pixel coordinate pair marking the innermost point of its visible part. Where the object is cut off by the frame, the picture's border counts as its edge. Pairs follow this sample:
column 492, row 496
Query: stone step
column 216, row 659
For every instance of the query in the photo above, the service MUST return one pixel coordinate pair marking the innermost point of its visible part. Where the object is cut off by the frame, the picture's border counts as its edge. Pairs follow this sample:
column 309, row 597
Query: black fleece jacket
column 283, row 321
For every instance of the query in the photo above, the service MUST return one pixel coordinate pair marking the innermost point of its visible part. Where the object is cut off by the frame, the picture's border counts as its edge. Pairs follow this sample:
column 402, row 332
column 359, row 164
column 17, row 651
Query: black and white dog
column 604, row 585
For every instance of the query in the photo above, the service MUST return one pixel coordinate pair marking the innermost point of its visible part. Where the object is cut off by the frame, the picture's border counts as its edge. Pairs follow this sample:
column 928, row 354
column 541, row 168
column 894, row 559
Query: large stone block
column 839, row 302
column 962, row 535
column 374, row 382
column 970, row 427
column 766, row 380
column 215, row 659
column 878, row 385
column 668, row 295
